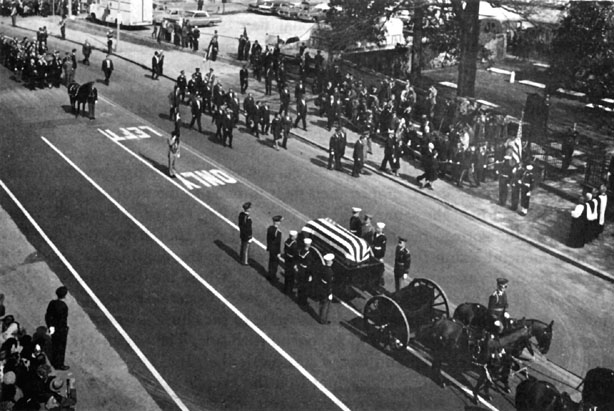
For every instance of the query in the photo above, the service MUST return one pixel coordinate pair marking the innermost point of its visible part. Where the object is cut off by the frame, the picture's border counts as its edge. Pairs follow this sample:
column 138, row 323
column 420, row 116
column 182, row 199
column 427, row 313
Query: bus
column 128, row 12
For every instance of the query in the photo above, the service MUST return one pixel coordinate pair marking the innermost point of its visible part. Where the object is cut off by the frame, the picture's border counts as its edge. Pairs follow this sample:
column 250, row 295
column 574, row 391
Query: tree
column 582, row 51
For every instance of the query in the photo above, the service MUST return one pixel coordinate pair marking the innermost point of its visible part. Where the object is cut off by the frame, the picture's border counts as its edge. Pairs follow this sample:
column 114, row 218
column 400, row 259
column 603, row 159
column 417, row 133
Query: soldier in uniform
column 379, row 242
column 286, row 127
column 182, row 85
column 245, row 232
column 506, row 171
column 305, row 265
column 389, row 151
column 526, row 186
column 264, row 115
column 497, row 305
column 326, row 285
column 173, row 152
column 276, row 127
column 355, row 224
column 273, row 246
column 290, row 255
column 402, row 263
column 368, row 231
column 269, row 75
column 284, row 100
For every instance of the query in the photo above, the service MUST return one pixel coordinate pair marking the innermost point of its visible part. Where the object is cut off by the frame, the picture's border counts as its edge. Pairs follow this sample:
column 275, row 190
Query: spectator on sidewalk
column 430, row 163
column 592, row 216
column 467, row 167
column 359, row 156
column 578, row 224
column 213, row 48
column 301, row 113
column 109, row 42
column 568, row 147
column 14, row 12
column 56, row 319
column 506, row 171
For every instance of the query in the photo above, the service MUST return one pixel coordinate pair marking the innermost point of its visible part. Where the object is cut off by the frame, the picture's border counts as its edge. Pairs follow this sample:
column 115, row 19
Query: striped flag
column 515, row 145
column 338, row 240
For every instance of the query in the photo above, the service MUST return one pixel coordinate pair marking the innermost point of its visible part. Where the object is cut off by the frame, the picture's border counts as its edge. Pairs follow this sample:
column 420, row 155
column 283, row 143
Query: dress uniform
column 273, row 246
column 368, row 231
column 284, row 99
column 305, row 265
column 506, row 171
column 379, row 242
column 326, row 288
column 497, row 304
column 228, row 125
column 173, row 153
column 290, row 262
column 526, row 186
column 355, row 224
column 402, row 263
column 245, row 232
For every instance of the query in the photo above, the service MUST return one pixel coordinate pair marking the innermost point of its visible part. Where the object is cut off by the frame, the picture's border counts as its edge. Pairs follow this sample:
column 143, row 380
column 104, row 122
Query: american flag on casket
column 354, row 263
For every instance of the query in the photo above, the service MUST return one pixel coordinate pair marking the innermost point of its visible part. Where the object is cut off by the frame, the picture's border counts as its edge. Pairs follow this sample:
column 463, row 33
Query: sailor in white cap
column 326, row 283
column 355, row 223
column 290, row 255
column 305, row 264
column 379, row 242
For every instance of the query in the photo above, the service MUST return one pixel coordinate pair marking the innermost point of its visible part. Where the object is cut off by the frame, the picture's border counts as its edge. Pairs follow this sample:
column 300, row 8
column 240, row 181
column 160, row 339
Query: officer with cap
column 305, row 263
column 367, row 229
column 402, row 263
column 326, row 284
column 245, row 232
column 526, row 186
column 273, row 246
column 182, row 84
column 379, row 242
column 355, row 224
column 290, row 256
column 497, row 304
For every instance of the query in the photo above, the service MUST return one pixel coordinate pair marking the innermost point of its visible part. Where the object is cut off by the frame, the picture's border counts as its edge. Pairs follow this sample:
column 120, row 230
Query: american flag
column 515, row 145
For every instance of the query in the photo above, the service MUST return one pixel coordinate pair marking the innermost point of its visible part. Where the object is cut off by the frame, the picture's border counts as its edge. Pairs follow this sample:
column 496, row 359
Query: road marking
column 211, row 178
column 198, row 278
column 129, row 133
column 99, row 303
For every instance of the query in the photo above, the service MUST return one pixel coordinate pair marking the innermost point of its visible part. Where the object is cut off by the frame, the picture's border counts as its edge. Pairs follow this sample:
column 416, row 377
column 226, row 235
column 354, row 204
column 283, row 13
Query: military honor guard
column 290, row 262
column 245, row 233
column 402, row 263
column 379, row 242
column 497, row 305
column 273, row 246
column 355, row 223
column 305, row 265
column 326, row 287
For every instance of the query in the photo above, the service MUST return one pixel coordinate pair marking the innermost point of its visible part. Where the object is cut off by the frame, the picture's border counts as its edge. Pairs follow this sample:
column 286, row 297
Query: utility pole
column 118, row 19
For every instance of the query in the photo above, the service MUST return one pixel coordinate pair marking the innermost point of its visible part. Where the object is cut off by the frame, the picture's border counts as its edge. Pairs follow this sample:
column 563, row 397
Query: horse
column 78, row 95
column 476, row 315
column 598, row 389
column 534, row 395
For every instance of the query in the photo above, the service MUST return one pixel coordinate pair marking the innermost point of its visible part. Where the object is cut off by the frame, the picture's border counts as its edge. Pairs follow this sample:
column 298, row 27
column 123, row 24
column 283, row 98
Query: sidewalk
column 546, row 226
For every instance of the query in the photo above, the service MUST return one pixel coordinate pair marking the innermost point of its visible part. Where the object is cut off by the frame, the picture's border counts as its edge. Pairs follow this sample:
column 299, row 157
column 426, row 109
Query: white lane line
column 99, row 303
column 198, row 278
column 422, row 358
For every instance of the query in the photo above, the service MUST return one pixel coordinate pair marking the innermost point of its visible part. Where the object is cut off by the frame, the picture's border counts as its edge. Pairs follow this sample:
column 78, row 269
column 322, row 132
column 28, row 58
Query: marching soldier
column 379, row 242
column 284, row 97
column 273, row 246
column 368, row 231
column 506, row 170
column 285, row 129
column 497, row 305
column 305, row 265
column 173, row 153
column 245, row 232
column 526, row 186
column 355, row 224
column 402, row 263
column 326, row 284
column 276, row 128
column 290, row 256
column 228, row 125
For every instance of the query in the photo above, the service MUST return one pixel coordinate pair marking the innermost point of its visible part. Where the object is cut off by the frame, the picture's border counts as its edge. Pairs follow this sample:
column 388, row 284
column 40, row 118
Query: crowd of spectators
column 28, row 381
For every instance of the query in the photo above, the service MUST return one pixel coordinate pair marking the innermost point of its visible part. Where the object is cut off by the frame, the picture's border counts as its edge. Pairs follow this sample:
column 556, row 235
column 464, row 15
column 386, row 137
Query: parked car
column 316, row 13
column 266, row 7
column 161, row 12
column 289, row 10
column 198, row 18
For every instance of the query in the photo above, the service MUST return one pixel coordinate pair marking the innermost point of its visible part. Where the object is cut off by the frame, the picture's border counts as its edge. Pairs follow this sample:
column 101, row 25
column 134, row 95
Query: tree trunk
column 416, row 48
column 469, row 48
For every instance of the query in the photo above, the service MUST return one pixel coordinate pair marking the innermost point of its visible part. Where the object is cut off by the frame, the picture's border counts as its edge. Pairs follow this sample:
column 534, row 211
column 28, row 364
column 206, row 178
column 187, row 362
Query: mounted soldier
column 497, row 306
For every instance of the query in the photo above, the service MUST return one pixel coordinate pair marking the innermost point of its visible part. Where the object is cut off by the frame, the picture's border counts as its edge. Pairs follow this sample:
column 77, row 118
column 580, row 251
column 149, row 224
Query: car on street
column 161, row 12
column 199, row 18
column 316, row 13
column 289, row 10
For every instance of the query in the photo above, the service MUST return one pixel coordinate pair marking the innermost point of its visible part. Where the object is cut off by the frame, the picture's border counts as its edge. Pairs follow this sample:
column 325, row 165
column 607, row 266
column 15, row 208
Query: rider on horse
column 497, row 306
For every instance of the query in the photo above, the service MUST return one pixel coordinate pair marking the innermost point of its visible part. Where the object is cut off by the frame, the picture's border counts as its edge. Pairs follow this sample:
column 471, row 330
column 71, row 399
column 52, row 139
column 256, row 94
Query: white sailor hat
column 329, row 257
column 380, row 225
column 356, row 210
column 293, row 233
column 307, row 241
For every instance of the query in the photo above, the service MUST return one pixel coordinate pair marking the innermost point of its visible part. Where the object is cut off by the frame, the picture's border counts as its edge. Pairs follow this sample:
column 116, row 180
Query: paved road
column 229, row 365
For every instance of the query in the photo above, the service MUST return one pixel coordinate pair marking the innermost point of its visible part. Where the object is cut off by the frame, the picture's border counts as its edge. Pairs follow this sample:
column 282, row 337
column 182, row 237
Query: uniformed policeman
column 173, row 152
column 355, row 224
column 326, row 285
column 305, row 265
column 497, row 305
column 402, row 263
column 379, row 242
column 245, row 232
column 273, row 246
column 290, row 256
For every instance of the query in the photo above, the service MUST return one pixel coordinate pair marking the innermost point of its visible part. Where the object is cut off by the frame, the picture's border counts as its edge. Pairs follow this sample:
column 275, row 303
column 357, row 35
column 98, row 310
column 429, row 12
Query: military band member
column 173, row 153
column 497, row 305
column 290, row 262
column 245, row 232
column 355, row 224
column 367, row 229
column 273, row 246
column 326, row 285
column 379, row 242
column 402, row 263
column 305, row 264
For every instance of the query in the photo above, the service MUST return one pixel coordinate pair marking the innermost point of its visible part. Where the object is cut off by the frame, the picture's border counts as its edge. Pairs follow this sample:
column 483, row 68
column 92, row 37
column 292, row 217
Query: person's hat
column 247, row 206
column 502, row 281
column 293, row 233
column 588, row 196
column 402, row 239
column 507, row 157
column 307, row 241
column 356, row 210
column 380, row 225
column 182, row 71
column 329, row 257
column 431, row 146
column 9, row 378
column 368, row 216
column 56, row 384
column 197, row 69
column 529, row 166
column 277, row 218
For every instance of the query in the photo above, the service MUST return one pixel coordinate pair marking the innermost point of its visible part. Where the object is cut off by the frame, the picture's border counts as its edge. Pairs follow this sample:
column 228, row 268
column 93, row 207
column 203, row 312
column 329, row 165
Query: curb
column 556, row 253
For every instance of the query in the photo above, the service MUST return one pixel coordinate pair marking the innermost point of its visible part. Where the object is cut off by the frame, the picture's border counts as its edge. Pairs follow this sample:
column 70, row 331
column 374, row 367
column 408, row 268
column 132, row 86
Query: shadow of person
column 158, row 166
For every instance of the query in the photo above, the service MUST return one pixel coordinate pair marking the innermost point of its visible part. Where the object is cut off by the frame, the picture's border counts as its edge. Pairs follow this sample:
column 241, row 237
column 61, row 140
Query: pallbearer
column 326, row 286
column 305, row 263
column 379, row 242
column 355, row 224
column 290, row 255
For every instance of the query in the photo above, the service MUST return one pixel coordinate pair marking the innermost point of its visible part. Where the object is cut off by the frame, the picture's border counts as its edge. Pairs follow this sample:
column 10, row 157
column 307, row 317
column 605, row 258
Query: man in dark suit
column 276, row 129
column 155, row 65
column 273, row 246
column 269, row 75
column 56, row 319
column 92, row 98
column 245, row 232
column 107, row 69
column 359, row 156
column 197, row 111
column 243, row 76
column 182, row 85
column 265, row 118
column 301, row 113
